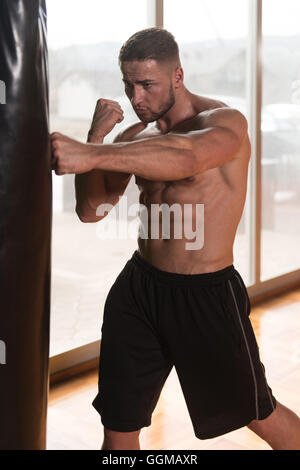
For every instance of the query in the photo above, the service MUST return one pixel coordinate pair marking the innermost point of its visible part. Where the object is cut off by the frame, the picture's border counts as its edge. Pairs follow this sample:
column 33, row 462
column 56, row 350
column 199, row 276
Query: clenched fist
column 106, row 115
column 69, row 155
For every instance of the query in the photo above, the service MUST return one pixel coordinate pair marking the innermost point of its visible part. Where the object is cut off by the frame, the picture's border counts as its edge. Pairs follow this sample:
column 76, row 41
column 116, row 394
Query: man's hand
column 69, row 155
column 106, row 115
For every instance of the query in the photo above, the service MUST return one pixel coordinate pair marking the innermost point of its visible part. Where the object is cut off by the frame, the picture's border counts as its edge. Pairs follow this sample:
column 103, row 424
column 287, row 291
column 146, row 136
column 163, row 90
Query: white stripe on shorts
column 248, row 349
column 267, row 388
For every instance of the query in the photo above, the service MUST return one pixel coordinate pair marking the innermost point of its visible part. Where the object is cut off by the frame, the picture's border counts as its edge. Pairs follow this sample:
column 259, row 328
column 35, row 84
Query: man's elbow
column 89, row 220
column 88, row 217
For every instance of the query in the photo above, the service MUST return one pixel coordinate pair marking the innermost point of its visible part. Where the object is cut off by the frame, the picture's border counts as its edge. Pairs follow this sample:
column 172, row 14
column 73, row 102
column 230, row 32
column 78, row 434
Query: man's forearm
column 163, row 158
column 90, row 188
column 98, row 186
column 89, row 191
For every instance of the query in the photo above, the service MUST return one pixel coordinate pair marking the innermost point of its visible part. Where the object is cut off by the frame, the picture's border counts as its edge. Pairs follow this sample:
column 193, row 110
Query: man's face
column 149, row 88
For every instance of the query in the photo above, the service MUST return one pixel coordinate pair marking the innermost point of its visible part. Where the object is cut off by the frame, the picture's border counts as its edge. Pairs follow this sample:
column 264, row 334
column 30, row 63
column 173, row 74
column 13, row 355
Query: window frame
column 76, row 360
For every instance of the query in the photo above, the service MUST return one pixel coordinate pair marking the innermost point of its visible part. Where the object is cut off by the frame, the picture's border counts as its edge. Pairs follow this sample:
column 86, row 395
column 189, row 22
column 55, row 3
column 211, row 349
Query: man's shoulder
column 226, row 117
column 214, row 112
column 206, row 111
column 204, row 103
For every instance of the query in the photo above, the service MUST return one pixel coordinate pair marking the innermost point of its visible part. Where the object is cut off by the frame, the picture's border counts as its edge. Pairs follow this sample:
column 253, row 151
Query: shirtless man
column 169, row 305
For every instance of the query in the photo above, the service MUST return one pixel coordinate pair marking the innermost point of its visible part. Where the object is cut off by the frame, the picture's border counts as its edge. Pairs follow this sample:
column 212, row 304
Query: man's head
column 152, row 73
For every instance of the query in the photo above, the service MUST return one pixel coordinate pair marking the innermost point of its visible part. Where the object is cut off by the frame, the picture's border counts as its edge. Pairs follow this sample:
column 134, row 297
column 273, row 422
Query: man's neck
column 182, row 109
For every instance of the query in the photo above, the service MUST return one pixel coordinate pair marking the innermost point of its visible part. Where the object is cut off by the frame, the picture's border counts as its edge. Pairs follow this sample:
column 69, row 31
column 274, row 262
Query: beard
column 163, row 109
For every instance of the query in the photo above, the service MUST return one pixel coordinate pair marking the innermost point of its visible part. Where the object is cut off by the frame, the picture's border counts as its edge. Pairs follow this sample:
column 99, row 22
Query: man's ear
column 179, row 75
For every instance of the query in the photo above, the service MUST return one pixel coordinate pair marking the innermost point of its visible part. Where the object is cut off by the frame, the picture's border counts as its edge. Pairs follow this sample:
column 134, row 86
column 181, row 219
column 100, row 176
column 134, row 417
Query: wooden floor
column 74, row 424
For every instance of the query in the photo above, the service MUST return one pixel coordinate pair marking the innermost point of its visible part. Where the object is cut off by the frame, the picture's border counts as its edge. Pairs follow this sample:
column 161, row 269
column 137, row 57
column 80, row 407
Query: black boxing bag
column 25, row 225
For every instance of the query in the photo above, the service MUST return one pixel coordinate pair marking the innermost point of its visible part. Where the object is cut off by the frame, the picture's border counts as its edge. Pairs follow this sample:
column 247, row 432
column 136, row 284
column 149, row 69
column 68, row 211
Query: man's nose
column 137, row 96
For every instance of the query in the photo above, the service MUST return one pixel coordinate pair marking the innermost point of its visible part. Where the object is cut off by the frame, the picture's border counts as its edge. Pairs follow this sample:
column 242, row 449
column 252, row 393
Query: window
column 220, row 54
column 214, row 58
column 280, row 139
column 84, row 39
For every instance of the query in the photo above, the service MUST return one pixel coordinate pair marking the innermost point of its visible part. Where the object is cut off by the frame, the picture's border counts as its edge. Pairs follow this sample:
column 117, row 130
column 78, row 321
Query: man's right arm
column 101, row 186
column 92, row 188
column 97, row 187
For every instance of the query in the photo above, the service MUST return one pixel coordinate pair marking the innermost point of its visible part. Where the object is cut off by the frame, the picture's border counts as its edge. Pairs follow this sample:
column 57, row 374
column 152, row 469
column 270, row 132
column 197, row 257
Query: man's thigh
column 133, row 366
column 216, row 357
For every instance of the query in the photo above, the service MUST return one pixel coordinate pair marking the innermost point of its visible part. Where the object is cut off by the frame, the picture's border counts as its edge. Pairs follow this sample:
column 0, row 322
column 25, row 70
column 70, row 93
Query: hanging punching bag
column 25, row 225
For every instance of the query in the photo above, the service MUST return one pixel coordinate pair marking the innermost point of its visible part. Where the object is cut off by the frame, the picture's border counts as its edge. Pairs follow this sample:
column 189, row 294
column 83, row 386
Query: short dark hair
column 151, row 43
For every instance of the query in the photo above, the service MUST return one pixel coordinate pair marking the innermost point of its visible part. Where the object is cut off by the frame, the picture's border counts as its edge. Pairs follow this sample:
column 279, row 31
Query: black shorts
column 199, row 323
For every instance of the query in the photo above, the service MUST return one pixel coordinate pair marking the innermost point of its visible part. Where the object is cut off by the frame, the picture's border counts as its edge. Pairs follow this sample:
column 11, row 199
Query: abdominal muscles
column 194, row 229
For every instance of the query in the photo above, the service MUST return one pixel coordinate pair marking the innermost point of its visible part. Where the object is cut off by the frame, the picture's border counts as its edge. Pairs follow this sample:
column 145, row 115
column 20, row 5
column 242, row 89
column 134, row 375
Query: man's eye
column 147, row 85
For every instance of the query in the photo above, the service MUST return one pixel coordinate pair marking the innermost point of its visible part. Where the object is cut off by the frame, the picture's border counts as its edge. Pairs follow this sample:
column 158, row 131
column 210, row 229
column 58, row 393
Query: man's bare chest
column 219, row 179
column 192, row 190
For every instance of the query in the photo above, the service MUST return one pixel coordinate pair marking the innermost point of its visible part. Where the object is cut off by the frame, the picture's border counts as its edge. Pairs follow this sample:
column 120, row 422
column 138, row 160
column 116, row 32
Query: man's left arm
column 176, row 156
